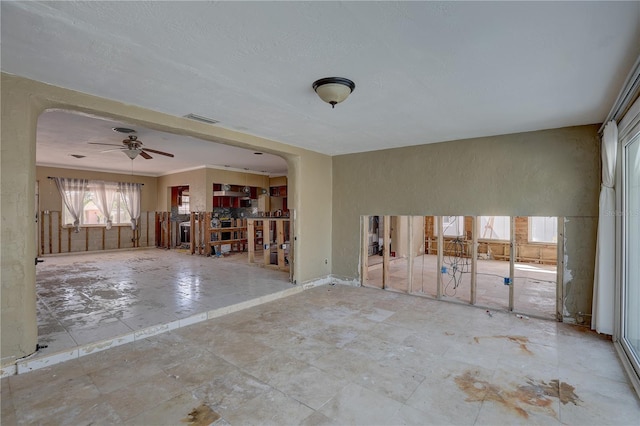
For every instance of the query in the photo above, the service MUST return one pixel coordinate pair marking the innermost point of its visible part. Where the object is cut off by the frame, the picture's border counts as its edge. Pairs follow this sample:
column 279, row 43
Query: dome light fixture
column 131, row 153
column 333, row 90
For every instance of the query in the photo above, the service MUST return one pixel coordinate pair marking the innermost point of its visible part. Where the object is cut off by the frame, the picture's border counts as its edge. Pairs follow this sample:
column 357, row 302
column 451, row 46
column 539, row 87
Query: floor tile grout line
column 122, row 339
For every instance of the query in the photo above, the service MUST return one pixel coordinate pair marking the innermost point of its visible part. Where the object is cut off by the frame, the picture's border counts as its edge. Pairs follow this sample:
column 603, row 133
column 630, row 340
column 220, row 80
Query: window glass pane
column 453, row 226
column 495, row 228
column 91, row 214
column 543, row 229
column 124, row 217
column 67, row 219
column 184, row 207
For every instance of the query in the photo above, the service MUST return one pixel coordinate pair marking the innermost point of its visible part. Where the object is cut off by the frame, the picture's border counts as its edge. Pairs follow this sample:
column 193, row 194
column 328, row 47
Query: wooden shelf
column 223, row 242
column 260, row 231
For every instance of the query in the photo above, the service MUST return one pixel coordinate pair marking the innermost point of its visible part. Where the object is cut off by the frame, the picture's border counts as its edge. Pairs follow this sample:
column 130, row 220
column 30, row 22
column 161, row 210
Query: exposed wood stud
column 50, row 233
column 474, row 258
column 440, row 255
column 59, row 232
column 41, row 232
column 412, row 255
column 364, row 250
column 192, row 225
column 251, row 240
column 280, row 242
column 512, row 261
column 266, row 240
column 386, row 252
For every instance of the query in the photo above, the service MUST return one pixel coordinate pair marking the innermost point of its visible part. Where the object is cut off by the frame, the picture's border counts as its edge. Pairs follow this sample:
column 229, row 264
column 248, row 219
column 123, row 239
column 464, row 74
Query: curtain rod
column 53, row 177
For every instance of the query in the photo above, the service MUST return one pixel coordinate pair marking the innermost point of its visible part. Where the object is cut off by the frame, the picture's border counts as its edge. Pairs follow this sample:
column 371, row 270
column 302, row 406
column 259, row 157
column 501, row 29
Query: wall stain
column 520, row 340
column 534, row 394
column 201, row 416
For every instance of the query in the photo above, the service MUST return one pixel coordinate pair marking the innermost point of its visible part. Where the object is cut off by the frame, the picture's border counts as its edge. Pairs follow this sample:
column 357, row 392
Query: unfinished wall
column 309, row 193
column 544, row 173
column 55, row 237
column 526, row 251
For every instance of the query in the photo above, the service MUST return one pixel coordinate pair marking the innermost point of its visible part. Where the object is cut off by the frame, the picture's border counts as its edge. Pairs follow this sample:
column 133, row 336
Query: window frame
column 529, row 232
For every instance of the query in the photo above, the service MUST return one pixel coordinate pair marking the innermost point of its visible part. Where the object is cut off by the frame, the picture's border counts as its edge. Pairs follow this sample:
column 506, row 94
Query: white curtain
column 106, row 193
column 602, row 319
column 72, row 193
column 131, row 197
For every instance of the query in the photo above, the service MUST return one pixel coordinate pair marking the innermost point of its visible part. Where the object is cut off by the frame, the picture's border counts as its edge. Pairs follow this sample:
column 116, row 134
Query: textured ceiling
column 62, row 134
column 424, row 71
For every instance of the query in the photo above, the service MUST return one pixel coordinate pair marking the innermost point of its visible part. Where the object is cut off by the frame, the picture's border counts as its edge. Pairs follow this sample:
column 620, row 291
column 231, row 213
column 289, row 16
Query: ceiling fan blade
column 155, row 151
column 111, row 150
column 108, row 144
column 145, row 155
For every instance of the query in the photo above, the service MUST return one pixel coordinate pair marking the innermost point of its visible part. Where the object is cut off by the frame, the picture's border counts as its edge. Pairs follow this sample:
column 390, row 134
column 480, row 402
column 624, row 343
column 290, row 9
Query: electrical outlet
column 326, row 261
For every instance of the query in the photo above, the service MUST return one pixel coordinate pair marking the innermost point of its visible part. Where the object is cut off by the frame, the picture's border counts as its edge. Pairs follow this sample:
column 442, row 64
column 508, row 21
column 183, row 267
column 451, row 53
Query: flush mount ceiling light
column 333, row 90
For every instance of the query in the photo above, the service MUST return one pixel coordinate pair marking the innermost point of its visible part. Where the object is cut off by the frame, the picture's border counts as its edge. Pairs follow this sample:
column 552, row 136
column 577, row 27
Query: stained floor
column 339, row 355
column 90, row 297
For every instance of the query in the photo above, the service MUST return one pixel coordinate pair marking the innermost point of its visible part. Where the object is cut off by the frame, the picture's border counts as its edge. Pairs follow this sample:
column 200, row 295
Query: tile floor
column 534, row 284
column 339, row 355
column 86, row 298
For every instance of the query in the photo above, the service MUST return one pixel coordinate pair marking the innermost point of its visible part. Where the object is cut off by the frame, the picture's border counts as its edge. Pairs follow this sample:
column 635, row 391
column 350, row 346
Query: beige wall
column 200, row 182
column 278, row 181
column 196, row 180
column 543, row 173
column 23, row 100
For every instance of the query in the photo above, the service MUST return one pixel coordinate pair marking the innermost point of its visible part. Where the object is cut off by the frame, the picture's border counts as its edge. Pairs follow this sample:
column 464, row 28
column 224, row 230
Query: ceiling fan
column 132, row 147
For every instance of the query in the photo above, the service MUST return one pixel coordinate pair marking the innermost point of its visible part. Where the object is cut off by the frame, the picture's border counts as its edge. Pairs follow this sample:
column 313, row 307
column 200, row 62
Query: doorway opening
column 111, row 283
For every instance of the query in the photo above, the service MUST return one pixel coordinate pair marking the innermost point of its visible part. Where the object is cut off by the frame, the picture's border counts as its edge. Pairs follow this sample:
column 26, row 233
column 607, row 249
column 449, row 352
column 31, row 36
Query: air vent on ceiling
column 201, row 118
column 123, row 130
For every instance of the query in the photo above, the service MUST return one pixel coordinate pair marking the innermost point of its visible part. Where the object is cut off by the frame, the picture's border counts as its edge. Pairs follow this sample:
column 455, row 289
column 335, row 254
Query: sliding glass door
column 631, row 251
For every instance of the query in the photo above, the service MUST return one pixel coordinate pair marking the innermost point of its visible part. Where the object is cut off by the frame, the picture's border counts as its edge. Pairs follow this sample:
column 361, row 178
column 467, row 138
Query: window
column 495, row 228
column 91, row 214
column 543, row 229
column 630, row 302
column 452, row 226
column 183, row 206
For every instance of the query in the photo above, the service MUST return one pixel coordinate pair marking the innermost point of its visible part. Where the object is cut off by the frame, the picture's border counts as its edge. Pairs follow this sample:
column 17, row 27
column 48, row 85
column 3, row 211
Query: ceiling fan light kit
column 333, row 90
column 132, row 146
column 131, row 153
